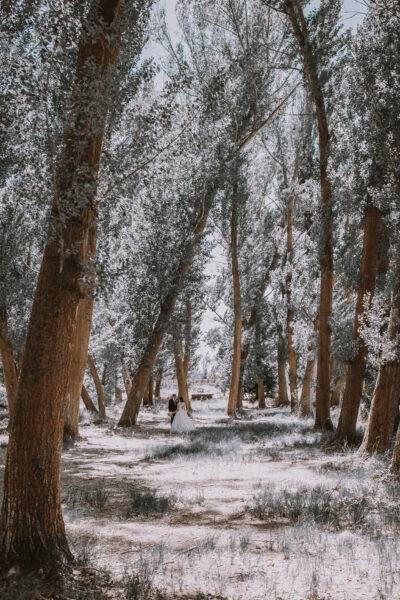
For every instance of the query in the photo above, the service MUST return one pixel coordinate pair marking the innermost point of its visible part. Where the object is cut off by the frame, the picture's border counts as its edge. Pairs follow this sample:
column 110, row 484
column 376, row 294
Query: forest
column 200, row 299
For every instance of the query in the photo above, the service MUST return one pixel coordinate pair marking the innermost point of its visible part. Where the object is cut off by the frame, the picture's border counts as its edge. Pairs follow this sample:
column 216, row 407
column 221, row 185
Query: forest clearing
column 200, row 299
column 238, row 510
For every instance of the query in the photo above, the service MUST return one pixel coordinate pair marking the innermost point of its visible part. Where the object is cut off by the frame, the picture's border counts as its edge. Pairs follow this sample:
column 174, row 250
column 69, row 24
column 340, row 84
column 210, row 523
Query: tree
column 33, row 528
column 312, row 72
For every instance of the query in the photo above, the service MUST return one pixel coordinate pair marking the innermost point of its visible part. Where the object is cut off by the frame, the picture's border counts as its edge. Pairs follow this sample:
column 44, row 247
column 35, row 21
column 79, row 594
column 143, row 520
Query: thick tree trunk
column 260, row 392
column 78, row 365
column 33, row 532
column 87, row 401
column 9, row 365
column 140, row 379
column 385, row 400
column 346, row 430
column 300, row 31
column 305, row 397
column 237, row 309
column 98, row 385
column 292, row 359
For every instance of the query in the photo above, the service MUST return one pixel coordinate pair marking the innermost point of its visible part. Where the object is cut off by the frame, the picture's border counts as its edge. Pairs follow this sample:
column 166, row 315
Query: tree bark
column 386, row 395
column 301, row 34
column 9, row 365
column 237, row 308
column 87, row 401
column 180, row 369
column 127, row 380
column 260, row 392
column 305, row 397
column 98, row 385
column 78, row 365
column 283, row 399
column 346, row 430
column 337, row 391
column 292, row 359
column 33, row 532
column 157, row 388
column 140, row 379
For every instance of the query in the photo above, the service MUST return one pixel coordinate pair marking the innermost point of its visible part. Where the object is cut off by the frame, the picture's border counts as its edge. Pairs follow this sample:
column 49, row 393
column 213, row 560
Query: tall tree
column 313, row 76
column 33, row 533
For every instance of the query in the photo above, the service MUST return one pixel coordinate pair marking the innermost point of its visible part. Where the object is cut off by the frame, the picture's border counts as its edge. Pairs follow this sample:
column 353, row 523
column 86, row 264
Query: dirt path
column 177, row 512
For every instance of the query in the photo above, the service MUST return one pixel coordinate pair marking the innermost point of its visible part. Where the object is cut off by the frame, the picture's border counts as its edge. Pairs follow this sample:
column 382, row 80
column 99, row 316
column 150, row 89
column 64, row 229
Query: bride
column 181, row 423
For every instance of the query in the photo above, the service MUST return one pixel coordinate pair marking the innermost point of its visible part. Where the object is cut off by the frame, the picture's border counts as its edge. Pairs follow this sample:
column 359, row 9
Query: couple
column 180, row 422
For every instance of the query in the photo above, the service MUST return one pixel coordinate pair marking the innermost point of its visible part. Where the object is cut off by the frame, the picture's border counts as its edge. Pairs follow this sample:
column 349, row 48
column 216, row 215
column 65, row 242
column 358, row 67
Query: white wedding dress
column 182, row 423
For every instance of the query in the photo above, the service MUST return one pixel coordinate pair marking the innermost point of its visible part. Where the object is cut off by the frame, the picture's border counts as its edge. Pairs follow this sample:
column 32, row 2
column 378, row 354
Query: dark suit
column 172, row 404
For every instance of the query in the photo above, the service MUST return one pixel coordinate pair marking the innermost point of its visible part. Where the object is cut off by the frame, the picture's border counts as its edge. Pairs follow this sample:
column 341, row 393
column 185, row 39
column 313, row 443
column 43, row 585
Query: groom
column 172, row 407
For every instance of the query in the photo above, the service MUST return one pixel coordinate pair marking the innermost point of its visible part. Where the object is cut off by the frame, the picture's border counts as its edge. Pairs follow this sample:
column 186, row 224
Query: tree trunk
column 292, row 359
column 130, row 412
column 118, row 394
column 87, row 401
column 283, row 399
column 150, row 394
column 9, row 365
column 338, row 388
column 250, row 323
column 346, row 430
column 98, row 385
column 127, row 380
column 385, row 400
column 33, row 532
column 157, row 388
column 305, row 397
column 78, row 365
column 395, row 464
column 260, row 392
column 300, row 31
column 237, row 308
column 180, row 370
column 188, row 338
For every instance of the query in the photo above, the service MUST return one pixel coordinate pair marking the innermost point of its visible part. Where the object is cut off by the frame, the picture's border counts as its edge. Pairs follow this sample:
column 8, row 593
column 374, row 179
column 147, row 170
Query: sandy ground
column 208, row 540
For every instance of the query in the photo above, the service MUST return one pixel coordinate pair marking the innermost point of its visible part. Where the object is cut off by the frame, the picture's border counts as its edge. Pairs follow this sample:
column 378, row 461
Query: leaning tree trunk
column 87, row 401
column 237, row 309
column 98, row 385
column 78, row 365
column 141, row 377
column 385, row 400
column 301, row 34
column 33, row 532
column 346, row 429
column 9, row 365
column 292, row 359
